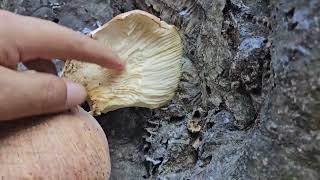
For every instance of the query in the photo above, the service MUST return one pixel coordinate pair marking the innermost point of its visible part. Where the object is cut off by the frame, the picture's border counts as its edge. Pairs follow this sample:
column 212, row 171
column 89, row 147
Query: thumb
column 27, row 94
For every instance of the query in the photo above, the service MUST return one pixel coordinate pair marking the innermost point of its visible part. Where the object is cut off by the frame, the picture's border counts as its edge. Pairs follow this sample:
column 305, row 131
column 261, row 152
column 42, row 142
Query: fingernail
column 121, row 66
column 76, row 94
column 120, row 63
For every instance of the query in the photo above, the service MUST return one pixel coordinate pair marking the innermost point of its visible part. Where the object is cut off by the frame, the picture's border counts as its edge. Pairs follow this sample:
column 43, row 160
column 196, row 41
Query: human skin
column 27, row 40
column 34, row 42
column 67, row 145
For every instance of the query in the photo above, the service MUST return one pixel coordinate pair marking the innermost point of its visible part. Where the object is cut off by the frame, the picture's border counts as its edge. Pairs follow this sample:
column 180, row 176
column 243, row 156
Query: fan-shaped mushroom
column 152, row 50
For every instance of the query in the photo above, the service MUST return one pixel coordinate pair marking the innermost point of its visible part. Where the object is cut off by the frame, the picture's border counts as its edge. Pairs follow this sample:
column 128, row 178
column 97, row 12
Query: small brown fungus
column 193, row 126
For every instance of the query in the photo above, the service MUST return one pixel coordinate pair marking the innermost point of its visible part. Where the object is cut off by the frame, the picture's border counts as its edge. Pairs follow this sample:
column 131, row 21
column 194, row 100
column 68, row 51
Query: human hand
column 24, row 39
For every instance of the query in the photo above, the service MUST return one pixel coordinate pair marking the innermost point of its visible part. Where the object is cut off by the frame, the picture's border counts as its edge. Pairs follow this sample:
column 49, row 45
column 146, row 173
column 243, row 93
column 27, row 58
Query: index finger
column 34, row 38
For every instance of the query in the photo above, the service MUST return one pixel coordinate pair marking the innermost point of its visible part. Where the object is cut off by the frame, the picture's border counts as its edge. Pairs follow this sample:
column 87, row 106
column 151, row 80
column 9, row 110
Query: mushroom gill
column 152, row 50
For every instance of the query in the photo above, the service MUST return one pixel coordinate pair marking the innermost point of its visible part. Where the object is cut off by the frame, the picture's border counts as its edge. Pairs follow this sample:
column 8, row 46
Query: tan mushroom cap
column 152, row 50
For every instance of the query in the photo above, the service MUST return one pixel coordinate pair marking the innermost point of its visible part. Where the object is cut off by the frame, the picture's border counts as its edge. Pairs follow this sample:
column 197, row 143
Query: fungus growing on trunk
column 152, row 51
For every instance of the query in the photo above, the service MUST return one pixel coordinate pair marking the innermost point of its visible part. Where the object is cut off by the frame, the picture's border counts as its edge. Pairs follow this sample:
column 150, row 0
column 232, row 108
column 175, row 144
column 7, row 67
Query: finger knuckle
column 5, row 14
column 9, row 55
column 3, row 57
column 9, row 18
column 12, row 56
column 53, row 95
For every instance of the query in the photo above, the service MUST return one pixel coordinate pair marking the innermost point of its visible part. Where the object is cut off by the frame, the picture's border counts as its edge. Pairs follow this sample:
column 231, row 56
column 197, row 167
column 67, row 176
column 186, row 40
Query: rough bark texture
column 250, row 79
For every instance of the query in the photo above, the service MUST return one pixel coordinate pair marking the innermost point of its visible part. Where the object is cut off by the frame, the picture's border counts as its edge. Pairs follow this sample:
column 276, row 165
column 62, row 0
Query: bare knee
column 70, row 145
